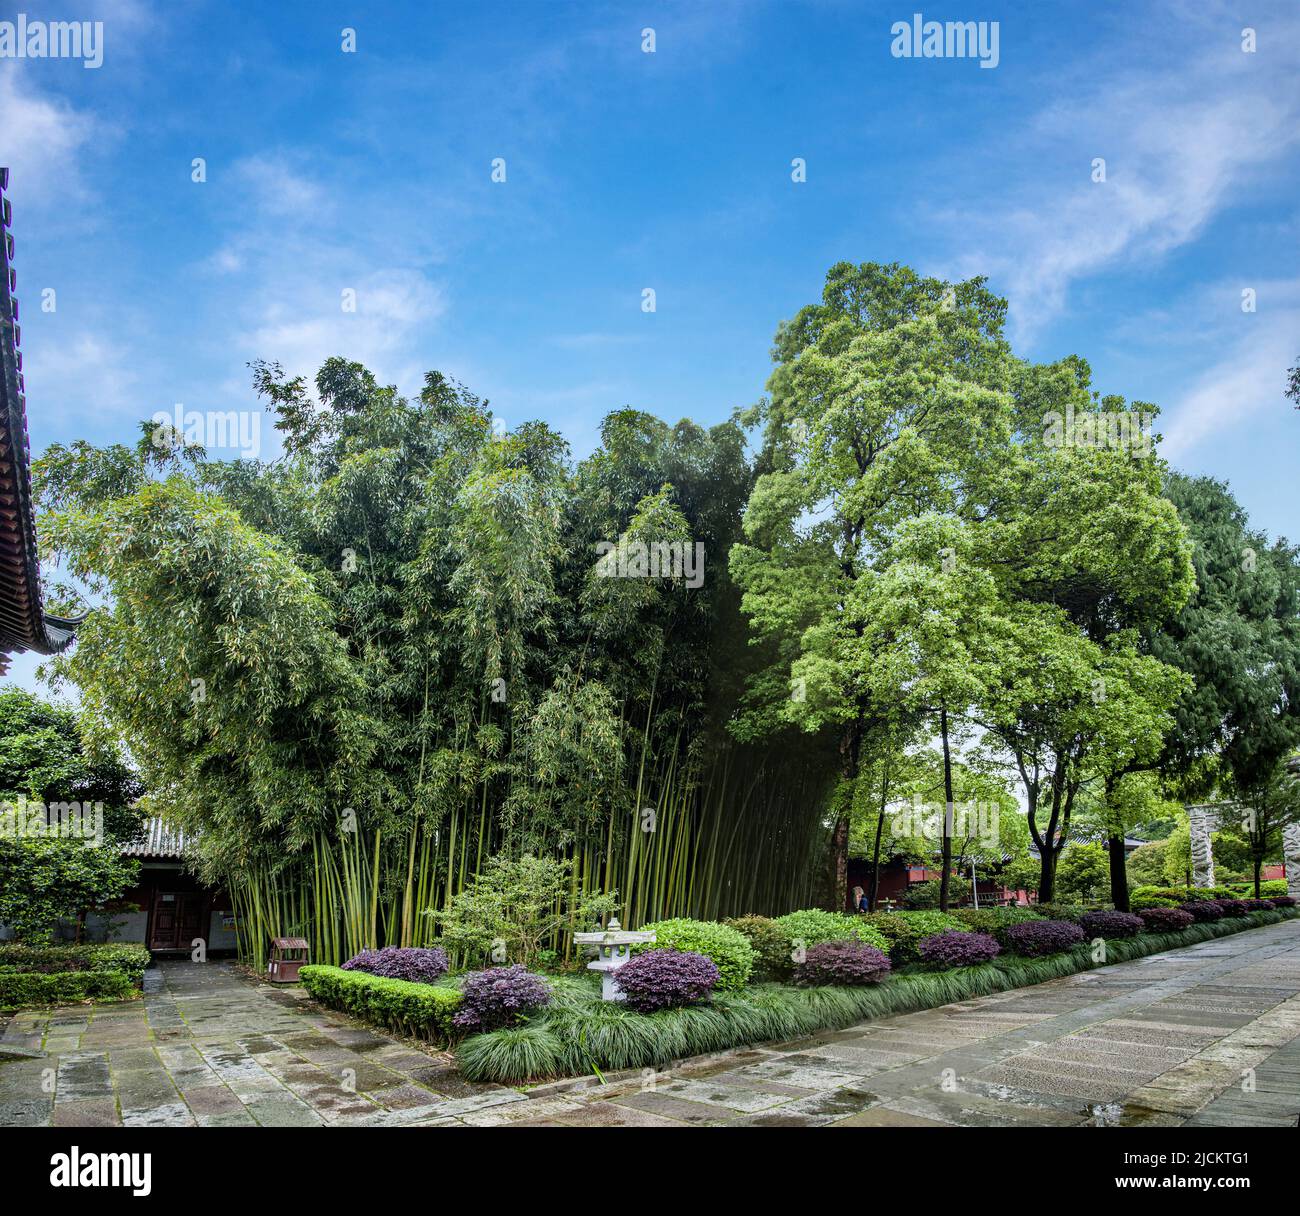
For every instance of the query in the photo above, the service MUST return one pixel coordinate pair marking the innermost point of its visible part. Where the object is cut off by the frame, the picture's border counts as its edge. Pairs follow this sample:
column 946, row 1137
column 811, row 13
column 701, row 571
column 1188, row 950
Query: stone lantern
column 611, row 944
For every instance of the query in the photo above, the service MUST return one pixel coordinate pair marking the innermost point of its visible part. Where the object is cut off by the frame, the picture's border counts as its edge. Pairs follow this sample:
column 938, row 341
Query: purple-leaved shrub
column 846, row 963
column 500, row 996
column 1165, row 920
column 1110, row 924
column 955, row 949
column 1203, row 910
column 1036, row 938
column 666, row 979
column 421, row 966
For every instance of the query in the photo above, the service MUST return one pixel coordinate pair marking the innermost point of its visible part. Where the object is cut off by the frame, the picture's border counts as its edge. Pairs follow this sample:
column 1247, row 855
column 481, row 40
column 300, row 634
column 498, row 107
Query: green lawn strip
column 579, row 1033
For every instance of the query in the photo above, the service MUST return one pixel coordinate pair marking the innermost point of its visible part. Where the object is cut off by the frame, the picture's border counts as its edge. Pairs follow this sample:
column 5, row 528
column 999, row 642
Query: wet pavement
column 1207, row 1035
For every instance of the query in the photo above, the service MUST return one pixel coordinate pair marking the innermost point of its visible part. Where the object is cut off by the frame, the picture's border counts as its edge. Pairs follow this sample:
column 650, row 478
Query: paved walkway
column 1208, row 1035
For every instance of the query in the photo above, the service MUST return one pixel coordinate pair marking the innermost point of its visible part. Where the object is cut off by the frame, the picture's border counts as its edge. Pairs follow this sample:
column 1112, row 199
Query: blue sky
column 371, row 171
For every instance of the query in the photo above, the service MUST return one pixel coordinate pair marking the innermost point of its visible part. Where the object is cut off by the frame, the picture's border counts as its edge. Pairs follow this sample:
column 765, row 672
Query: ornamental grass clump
column 418, row 965
column 952, row 948
column 1110, row 924
column 1203, row 910
column 1165, row 920
column 847, row 963
column 1034, row 939
column 500, row 996
column 666, row 979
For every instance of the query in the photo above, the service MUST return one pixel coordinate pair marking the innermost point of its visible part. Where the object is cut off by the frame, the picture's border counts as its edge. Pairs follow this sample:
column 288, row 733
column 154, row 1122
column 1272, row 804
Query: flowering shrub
column 1038, row 937
column 1203, row 910
column 1283, row 901
column 955, row 949
column 904, row 931
column 1232, row 907
column 500, row 996
column 727, row 948
column 666, row 979
column 1110, row 924
column 1165, row 920
column 772, row 945
column 846, row 963
column 401, row 963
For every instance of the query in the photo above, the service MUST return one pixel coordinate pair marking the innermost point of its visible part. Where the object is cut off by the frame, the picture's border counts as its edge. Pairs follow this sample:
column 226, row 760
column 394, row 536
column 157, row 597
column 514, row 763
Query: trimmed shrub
column 1232, row 907
column 63, row 975
column 904, row 931
column 1034, row 939
column 420, row 1010
column 953, row 948
column 1165, row 920
column 772, row 946
column 1269, row 888
column 1175, row 897
column 812, row 926
column 991, row 920
column 500, row 996
column 420, row 966
column 1110, row 924
column 1055, row 911
column 1257, row 905
column 666, row 979
column 727, row 948
column 847, row 963
column 1283, row 901
column 1203, row 910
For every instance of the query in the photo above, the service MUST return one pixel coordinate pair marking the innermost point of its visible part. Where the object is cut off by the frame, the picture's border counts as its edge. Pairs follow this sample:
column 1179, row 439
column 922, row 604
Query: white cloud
column 44, row 138
column 1183, row 138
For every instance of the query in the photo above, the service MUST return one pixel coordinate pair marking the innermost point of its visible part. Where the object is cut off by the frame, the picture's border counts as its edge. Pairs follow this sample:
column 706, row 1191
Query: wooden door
column 177, row 919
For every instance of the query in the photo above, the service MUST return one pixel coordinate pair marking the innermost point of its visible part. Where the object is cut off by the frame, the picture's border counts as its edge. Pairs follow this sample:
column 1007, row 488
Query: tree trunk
column 946, row 861
column 1259, row 863
column 1118, row 874
column 873, row 890
column 1047, row 876
column 839, row 871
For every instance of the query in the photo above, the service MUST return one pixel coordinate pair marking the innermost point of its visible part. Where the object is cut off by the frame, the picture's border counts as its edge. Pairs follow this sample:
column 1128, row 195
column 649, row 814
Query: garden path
column 1206, row 1035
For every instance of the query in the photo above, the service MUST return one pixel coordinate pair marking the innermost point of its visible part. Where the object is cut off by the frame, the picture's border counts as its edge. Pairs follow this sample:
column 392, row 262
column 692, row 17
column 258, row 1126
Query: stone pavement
column 1208, row 1035
column 208, row 1047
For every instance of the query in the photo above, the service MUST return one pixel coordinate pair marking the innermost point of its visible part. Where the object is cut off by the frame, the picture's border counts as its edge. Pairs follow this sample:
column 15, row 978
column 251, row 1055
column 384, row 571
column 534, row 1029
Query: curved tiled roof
column 159, row 839
column 23, row 623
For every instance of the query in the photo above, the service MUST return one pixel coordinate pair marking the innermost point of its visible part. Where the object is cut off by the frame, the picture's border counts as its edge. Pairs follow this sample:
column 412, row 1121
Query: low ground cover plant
column 666, row 979
column 419, row 965
column 953, row 948
column 727, row 948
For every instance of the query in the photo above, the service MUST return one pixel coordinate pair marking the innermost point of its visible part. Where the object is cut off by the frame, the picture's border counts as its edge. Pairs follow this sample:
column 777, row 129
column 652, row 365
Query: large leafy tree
column 888, row 400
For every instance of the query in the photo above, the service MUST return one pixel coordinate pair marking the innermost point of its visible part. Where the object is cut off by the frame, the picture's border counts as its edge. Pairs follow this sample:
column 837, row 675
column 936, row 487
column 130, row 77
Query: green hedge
column 580, row 1033
column 65, row 975
column 812, row 926
column 727, row 948
column 423, row 1011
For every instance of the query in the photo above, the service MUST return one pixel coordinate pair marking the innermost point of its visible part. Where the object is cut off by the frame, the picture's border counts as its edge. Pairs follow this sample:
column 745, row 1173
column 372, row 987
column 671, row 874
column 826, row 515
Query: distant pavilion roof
column 159, row 839
column 23, row 623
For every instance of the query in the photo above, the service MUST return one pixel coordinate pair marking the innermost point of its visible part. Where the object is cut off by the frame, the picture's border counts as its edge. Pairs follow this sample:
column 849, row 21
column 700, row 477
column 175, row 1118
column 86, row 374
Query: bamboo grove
column 361, row 669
